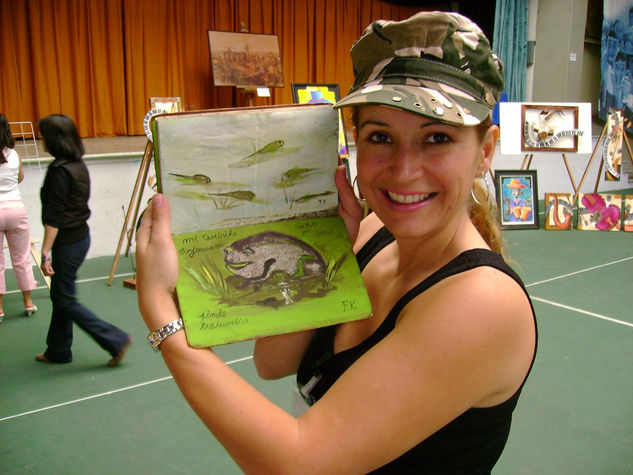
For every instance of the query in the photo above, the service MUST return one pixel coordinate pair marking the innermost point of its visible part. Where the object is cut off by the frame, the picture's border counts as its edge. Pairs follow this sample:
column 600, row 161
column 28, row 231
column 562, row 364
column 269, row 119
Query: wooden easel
column 132, row 213
column 527, row 161
column 247, row 96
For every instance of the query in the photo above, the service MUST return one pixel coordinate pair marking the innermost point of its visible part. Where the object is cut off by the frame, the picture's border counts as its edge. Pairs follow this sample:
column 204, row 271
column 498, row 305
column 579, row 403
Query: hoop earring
column 484, row 177
column 355, row 187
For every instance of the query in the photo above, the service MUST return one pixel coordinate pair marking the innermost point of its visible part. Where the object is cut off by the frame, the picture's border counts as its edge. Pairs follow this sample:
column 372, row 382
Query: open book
column 262, row 250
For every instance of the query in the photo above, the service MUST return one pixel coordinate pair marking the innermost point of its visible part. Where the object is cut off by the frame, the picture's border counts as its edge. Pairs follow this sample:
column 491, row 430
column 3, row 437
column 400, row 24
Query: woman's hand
column 46, row 266
column 348, row 207
column 157, row 265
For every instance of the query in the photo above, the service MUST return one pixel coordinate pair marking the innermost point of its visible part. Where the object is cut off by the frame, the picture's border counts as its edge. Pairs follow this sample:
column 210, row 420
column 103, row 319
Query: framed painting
column 559, row 211
column 549, row 128
column 245, row 59
column 599, row 211
column 166, row 104
column 517, row 198
column 306, row 93
column 612, row 149
column 303, row 93
column 627, row 213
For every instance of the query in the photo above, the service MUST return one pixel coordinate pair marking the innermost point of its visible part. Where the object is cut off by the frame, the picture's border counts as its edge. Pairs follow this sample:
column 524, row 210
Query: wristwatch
column 156, row 337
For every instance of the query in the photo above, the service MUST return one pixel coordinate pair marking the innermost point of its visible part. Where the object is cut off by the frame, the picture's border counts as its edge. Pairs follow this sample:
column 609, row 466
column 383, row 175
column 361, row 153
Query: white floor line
column 580, row 271
column 107, row 393
column 591, row 314
column 78, row 281
column 105, row 277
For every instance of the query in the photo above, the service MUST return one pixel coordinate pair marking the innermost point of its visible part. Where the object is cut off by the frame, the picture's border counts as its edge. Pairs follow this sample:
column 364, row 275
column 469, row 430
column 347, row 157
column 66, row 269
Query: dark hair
column 61, row 137
column 6, row 139
column 484, row 214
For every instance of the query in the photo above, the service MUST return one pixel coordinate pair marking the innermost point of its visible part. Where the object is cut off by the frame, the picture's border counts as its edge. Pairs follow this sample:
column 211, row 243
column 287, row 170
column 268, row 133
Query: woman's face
column 417, row 173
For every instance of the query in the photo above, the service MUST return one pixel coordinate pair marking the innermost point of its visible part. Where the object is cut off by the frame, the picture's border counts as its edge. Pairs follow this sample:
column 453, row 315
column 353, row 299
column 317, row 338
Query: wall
column 560, row 31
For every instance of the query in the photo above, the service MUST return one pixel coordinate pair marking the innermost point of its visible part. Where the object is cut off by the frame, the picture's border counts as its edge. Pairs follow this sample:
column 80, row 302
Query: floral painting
column 599, row 211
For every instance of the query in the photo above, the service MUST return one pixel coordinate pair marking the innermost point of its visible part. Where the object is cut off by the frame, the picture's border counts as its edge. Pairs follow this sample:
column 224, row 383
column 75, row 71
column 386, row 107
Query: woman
column 429, row 383
column 65, row 213
column 14, row 220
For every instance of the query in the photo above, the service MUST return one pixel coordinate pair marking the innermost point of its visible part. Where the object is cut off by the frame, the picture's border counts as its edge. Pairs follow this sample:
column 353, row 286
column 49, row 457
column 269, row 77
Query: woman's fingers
column 349, row 209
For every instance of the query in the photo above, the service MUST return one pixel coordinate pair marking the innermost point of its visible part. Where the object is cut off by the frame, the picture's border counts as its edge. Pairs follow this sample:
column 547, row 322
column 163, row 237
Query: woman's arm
column 20, row 170
column 279, row 356
column 50, row 233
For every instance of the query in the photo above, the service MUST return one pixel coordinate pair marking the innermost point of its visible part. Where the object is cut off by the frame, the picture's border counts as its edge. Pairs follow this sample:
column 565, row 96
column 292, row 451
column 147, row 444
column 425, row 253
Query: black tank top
column 470, row 444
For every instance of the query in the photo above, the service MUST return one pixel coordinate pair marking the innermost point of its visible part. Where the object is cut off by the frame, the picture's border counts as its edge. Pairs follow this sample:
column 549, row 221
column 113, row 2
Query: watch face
column 146, row 122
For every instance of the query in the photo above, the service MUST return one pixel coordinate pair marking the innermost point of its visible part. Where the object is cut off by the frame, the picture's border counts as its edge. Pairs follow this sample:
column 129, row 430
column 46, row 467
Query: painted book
column 262, row 250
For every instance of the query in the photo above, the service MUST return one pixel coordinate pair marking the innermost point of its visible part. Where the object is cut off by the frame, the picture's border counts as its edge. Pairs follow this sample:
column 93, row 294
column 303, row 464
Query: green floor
column 575, row 415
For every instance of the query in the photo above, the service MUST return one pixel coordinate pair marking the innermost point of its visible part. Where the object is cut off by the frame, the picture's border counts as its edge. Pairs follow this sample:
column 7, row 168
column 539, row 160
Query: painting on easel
column 536, row 128
column 549, row 128
column 165, row 104
column 599, row 211
column 245, row 59
column 612, row 151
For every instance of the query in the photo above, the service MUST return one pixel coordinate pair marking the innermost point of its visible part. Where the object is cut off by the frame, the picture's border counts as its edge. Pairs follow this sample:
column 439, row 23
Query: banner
column 616, row 83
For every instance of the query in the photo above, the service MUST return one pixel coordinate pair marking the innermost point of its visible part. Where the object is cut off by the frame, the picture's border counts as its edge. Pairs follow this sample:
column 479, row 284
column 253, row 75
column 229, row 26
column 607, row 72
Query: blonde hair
column 484, row 214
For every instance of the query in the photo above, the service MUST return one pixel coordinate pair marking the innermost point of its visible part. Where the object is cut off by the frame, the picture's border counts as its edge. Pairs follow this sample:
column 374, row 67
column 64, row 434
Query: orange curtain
column 99, row 61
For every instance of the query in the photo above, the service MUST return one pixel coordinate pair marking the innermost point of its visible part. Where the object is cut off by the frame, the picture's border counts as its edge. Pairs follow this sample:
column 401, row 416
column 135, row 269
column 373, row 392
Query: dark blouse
column 470, row 444
column 64, row 196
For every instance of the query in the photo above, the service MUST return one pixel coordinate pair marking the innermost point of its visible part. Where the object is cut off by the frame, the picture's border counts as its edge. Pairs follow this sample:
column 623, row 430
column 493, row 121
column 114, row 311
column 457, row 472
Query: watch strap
column 156, row 337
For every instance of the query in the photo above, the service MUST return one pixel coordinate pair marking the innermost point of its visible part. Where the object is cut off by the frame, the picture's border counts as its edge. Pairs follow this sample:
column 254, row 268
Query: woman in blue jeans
column 65, row 212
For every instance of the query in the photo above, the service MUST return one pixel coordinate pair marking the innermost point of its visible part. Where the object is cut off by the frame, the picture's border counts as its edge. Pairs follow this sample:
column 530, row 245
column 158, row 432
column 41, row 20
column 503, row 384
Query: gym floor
column 575, row 415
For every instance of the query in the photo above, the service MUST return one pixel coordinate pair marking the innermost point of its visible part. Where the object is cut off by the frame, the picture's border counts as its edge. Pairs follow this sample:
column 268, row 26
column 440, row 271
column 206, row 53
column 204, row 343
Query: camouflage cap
column 436, row 64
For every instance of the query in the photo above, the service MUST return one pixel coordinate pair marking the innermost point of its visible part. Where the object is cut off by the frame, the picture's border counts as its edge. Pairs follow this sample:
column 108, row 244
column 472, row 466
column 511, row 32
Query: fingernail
column 158, row 200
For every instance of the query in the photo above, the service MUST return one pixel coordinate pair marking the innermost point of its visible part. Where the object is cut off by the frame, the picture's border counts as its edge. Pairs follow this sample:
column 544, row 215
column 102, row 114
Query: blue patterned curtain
column 510, row 44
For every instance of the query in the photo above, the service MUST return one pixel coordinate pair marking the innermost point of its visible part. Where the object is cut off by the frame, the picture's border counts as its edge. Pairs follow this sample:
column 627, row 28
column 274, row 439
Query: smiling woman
column 429, row 383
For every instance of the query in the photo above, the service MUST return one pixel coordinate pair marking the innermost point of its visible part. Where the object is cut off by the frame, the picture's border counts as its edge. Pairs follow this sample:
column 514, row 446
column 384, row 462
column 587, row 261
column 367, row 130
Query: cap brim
column 434, row 100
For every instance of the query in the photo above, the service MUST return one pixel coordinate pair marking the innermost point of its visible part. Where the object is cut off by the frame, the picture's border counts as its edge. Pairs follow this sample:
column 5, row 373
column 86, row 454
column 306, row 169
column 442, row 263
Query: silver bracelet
column 156, row 337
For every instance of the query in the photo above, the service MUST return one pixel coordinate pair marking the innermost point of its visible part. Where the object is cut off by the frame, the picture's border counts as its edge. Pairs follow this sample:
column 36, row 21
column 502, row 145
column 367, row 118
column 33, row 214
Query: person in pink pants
column 14, row 221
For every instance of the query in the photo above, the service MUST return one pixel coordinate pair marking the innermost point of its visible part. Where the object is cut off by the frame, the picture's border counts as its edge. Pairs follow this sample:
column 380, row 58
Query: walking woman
column 14, row 220
column 65, row 213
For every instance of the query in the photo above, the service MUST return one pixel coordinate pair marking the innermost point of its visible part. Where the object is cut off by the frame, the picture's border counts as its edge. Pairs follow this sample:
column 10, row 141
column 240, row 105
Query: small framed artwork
column 517, row 198
column 627, row 213
column 245, row 59
column 165, row 104
column 559, row 211
column 549, row 128
column 305, row 93
column 599, row 211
